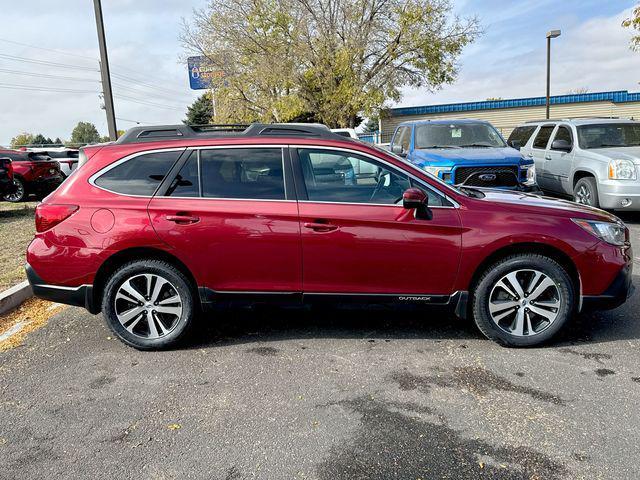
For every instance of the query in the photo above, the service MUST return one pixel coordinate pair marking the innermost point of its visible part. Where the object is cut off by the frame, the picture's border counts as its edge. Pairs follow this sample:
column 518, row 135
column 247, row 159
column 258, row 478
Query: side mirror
column 561, row 145
column 398, row 150
column 514, row 144
column 414, row 198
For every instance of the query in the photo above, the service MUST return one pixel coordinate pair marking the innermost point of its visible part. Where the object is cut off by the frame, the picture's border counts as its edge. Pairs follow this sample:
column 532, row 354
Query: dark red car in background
column 33, row 173
column 171, row 220
column 6, row 176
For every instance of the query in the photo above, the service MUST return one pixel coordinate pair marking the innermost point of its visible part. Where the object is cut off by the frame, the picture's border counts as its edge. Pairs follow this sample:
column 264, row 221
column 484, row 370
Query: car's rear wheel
column 523, row 300
column 19, row 193
column 149, row 304
column 586, row 192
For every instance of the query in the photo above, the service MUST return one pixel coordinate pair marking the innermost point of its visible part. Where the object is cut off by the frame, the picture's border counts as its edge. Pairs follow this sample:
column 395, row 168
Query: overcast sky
column 147, row 58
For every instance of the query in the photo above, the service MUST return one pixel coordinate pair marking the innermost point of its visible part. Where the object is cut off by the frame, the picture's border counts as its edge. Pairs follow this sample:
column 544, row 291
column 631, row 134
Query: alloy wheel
column 525, row 302
column 148, row 306
column 17, row 194
column 583, row 195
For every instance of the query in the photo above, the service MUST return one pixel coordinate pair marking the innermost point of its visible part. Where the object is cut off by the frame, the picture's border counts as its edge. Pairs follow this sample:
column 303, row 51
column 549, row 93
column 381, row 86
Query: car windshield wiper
column 470, row 191
column 440, row 146
column 471, row 145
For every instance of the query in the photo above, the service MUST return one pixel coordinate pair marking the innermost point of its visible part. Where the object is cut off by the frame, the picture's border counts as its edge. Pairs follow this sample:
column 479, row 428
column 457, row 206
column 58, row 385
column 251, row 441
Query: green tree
column 40, row 139
column 335, row 60
column 57, row 141
column 200, row 112
column 83, row 133
column 633, row 22
column 371, row 125
column 22, row 139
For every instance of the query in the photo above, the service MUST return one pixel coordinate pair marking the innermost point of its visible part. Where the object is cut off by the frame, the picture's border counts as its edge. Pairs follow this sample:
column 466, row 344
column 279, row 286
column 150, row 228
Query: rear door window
column 242, row 173
column 542, row 139
column 140, row 175
column 522, row 134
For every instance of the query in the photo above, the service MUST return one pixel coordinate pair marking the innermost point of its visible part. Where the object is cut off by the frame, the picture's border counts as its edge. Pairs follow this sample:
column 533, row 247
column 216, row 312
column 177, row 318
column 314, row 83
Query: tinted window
column 251, row 173
column 140, row 175
column 186, row 182
column 543, row 137
column 335, row 176
column 522, row 135
column 563, row 133
column 607, row 135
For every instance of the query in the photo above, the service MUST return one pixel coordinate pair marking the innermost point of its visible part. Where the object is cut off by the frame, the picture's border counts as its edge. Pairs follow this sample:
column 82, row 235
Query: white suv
column 595, row 161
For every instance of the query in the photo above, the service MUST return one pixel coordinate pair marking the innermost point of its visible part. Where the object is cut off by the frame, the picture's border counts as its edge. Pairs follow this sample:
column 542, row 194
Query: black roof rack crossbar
column 180, row 132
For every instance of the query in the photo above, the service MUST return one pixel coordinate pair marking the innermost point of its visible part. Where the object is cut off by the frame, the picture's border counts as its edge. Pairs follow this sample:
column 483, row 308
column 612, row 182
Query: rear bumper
column 45, row 184
column 618, row 292
column 81, row 296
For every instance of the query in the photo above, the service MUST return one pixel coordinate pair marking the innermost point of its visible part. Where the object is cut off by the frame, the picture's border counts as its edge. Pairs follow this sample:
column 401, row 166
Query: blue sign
column 202, row 75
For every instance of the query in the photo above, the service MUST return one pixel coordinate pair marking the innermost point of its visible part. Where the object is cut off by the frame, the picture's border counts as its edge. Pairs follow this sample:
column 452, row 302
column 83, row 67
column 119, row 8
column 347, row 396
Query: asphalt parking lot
column 328, row 394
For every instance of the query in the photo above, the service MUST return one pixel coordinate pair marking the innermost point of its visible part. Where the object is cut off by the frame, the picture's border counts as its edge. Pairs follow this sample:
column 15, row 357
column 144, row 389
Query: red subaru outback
column 171, row 220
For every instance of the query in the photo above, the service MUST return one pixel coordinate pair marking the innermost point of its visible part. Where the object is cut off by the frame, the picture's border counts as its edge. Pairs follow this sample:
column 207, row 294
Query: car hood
column 537, row 204
column 619, row 153
column 466, row 156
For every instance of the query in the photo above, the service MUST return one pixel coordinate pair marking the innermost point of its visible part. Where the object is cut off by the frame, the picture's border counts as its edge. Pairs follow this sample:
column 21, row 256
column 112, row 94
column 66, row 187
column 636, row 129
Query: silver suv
column 595, row 161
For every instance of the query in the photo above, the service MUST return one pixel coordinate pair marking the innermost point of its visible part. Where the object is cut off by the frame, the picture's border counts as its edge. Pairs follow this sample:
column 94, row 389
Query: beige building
column 505, row 115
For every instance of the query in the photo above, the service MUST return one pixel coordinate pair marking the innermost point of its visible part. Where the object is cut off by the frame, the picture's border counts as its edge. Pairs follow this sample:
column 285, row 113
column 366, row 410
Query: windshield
column 606, row 135
column 457, row 135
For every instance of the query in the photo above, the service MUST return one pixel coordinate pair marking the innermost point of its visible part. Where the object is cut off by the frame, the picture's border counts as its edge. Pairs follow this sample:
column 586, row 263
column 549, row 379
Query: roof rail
column 179, row 132
column 548, row 120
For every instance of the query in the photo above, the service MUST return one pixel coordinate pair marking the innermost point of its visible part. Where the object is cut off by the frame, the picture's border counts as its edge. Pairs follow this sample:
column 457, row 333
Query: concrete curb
column 13, row 297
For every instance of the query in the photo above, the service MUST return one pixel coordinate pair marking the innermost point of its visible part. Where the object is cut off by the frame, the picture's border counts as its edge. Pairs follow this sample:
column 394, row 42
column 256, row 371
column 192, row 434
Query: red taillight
column 48, row 216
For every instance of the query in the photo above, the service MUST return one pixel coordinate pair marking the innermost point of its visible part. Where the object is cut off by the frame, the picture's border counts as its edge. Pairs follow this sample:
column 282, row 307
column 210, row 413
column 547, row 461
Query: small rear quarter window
column 140, row 175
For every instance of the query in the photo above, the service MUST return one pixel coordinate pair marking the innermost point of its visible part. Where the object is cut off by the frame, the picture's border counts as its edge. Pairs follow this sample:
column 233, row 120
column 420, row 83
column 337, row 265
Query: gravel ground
column 332, row 394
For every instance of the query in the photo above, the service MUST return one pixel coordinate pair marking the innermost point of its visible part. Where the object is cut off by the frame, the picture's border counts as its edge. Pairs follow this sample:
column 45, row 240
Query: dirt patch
column 598, row 357
column 31, row 315
column 17, row 227
column 264, row 351
column 475, row 379
column 604, row 372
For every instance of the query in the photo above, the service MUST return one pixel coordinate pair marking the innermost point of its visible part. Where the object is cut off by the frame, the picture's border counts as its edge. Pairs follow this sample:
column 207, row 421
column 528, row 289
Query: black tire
column 178, row 283
column 523, row 263
column 586, row 186
column 19, row 195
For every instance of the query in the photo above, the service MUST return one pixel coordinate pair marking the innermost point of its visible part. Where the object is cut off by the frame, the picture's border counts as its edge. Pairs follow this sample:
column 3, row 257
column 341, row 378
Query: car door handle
column 320, row 227
column 547, row 157
column 529, row 155
column 182, row 219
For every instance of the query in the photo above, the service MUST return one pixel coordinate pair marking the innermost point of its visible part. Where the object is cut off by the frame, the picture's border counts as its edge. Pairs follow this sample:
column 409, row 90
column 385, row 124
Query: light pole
column 550, row 35
column 104, row 73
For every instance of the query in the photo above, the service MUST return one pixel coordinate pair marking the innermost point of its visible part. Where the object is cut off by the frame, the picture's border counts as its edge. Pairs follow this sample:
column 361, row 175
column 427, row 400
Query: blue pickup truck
column 464, row 152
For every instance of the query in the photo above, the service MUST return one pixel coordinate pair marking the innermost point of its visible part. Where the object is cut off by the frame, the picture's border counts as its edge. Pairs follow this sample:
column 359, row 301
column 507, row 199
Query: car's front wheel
column 586, row 192
column 19, row 193
column 149, row 304
column 523, row 300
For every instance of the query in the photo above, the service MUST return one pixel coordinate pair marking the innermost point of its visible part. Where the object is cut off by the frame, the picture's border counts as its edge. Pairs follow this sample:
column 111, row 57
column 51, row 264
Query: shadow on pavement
column 264, row 324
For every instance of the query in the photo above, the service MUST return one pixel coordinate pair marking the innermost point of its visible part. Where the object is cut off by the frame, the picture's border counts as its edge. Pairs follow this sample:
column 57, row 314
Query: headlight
column 622, row 170
column 613, row 233
column 531, row 174
column 436, row 171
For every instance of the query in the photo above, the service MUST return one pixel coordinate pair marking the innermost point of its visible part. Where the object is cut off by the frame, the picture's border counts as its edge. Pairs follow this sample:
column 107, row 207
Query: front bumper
column 615, row 295
column 81, row 296
column 619, row 195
